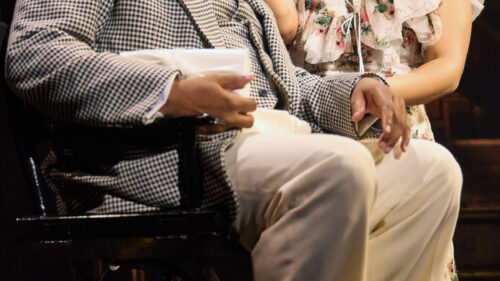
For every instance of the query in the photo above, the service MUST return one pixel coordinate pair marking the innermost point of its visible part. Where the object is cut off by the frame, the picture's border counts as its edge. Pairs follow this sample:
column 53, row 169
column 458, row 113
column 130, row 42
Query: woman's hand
column 213, row 95
column 373, row 97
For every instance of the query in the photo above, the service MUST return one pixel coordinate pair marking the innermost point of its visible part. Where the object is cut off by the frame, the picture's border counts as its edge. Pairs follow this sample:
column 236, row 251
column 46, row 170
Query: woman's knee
column 446, row 170
column 452, row 174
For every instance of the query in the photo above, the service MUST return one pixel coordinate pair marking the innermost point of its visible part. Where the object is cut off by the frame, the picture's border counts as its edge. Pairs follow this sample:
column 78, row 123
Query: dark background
column 481, row 75
column 478, row 118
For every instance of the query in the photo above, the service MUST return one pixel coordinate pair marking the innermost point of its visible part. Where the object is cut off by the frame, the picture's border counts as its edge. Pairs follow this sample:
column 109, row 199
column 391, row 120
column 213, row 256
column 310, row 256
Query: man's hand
column 372, row 96
column 212, row 94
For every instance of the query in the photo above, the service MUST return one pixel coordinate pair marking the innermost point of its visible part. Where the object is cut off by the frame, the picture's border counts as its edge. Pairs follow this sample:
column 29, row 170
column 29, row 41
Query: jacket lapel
column 203, row 16
column 277, row 51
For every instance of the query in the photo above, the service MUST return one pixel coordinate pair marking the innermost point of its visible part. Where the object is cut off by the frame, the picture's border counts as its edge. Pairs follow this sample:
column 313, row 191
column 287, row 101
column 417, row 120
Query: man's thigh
column 261, row 166
column 263, row 163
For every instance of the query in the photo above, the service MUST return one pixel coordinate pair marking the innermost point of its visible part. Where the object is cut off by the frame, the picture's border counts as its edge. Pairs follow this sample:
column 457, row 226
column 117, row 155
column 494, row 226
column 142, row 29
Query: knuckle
column 227, row 102
column 400, row 98
column 381, row 90
column 210, row 87
column 393, row 138
column 230, row 119
column 214, row 77
column 231, row 102
column 388, row 109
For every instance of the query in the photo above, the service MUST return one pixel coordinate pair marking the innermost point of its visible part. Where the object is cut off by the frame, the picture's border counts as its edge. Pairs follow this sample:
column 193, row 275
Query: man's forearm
column 325, row 102
column 52, row 64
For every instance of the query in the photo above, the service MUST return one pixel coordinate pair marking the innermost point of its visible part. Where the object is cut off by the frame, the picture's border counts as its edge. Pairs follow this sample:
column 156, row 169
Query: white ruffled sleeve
column 428, row 27
column 326, row 27
column 476, row 7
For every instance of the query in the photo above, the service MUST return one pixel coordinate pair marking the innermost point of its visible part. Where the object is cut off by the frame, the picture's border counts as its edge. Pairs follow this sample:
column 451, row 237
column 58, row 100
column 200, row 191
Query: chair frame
column 181, row 240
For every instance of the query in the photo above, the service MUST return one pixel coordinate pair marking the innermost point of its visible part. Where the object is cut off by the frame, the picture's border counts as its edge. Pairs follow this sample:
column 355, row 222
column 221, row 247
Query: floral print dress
column 393, row 35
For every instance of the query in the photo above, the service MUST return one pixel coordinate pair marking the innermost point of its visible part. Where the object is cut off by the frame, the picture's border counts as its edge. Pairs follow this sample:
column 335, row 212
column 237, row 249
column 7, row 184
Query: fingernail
column 382, row 145
column 388, row 128
column 248, row 76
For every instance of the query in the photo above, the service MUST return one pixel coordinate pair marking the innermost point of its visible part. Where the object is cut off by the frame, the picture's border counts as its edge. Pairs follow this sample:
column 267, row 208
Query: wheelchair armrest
column 179, row 131
column 167, row 130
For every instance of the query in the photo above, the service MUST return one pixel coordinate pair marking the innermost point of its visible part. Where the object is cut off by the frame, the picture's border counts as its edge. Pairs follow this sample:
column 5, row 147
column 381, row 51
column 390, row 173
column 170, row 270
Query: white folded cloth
column 199, row 62
column 277, row 122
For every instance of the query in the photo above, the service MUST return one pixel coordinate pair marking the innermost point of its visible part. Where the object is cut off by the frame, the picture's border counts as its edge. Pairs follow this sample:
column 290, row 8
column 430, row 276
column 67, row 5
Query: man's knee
column 354, row 166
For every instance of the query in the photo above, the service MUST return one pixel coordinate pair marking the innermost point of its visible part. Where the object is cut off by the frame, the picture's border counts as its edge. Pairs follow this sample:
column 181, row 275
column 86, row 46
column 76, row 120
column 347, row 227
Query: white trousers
column 315, row 207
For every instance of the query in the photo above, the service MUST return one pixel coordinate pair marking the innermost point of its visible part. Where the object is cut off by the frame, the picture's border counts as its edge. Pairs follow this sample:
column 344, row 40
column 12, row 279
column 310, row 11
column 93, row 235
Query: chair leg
column 190, row 270
column 210, row 274
column 138, row 274
column 84, row 270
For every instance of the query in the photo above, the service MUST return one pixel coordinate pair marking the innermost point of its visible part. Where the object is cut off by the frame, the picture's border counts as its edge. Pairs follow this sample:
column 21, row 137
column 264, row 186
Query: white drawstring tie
column 354, row 20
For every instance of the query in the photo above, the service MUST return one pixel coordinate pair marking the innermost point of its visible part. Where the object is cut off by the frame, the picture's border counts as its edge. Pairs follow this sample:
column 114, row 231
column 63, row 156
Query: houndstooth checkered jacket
column 62, row 59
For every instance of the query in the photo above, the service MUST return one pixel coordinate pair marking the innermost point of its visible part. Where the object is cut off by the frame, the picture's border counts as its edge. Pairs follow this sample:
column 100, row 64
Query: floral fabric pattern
column 393, row 33
column 451, row 273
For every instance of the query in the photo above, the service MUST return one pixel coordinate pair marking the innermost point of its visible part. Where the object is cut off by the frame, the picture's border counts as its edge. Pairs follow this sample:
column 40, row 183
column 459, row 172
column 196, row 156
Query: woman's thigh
column 412, row 174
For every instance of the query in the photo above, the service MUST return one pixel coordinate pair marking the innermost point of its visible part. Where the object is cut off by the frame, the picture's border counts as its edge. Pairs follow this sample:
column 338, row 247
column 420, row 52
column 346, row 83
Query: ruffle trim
column 476, row 7
column 322, row 24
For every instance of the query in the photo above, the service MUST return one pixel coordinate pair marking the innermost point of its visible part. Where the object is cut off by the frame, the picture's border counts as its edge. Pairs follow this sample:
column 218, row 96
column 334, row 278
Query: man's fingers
column 231, row 122
column 240, row 121
column 358, row 105
column 386, row 143
column 233, row 81
column 385, row 103
column 392, row 140
column 387, row 115
column 380, row 101
column 211, row 129
column 406, row 140
column 382, row 144
column 245, row 105
column 245, row 121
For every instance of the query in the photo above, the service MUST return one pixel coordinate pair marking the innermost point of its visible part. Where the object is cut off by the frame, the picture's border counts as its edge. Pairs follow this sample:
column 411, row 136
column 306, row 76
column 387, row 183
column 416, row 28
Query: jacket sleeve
column 52, row 64
column 325, row 101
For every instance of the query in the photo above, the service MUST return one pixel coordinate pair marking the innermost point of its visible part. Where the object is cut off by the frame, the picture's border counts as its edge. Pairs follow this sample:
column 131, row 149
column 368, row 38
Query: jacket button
column 263, row 93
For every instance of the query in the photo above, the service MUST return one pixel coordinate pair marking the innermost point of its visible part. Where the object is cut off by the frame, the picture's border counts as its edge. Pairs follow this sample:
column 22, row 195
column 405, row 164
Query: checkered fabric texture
column 63, row 60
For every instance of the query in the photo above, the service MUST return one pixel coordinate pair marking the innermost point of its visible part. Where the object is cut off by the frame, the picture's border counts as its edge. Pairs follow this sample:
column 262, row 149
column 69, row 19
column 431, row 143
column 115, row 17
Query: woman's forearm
column 445, row 60
column 286, row 16
column 428, row 82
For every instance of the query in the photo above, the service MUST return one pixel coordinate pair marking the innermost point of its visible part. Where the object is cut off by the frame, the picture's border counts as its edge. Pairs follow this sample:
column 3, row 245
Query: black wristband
column 373, row 75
